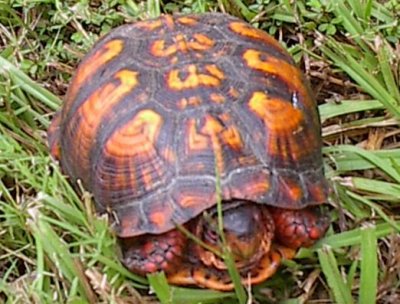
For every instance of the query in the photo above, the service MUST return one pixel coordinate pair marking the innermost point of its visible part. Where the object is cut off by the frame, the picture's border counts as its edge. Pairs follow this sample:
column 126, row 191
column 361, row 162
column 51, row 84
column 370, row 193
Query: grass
column 53, row 246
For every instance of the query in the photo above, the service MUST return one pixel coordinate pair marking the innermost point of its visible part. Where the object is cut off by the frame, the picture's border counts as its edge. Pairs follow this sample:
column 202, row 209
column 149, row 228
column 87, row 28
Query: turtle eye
column 211, row 235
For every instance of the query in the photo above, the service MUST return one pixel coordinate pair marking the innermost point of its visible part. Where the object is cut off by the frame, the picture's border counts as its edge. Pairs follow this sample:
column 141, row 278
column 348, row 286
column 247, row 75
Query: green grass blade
column 369, row 266
column 385, row 165
column 137, row 281
column 40, row 268
column 352, row 273
column 227, row 255
column 368, row 9
column 153, row 8
column 60, row 256
column 386, row 57
column 361, row 9
column 376, row 208
column 329, row 110
column 329, row 265
column 347, row 238
column 159, row 283
column 235, row 276
column 195, row 296
column 248, row 14
column 28, row 85
column 351, row 24
column 176, row 295
column 389, row 190
column 369, row 83
column 347, row 160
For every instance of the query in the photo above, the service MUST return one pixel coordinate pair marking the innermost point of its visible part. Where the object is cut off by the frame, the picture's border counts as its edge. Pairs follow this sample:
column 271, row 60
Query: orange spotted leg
column 151, row 253
column 298, row 228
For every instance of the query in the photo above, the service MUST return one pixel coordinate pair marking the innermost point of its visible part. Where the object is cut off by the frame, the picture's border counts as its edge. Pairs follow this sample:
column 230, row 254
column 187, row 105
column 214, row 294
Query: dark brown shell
column 161, row 110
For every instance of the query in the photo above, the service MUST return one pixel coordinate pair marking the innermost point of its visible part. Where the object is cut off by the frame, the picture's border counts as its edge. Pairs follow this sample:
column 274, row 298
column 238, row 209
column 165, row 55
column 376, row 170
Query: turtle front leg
column 299, row 228
column 150, row 253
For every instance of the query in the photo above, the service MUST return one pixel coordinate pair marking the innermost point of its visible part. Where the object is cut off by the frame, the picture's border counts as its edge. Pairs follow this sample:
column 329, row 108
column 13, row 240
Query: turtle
column 197, row 134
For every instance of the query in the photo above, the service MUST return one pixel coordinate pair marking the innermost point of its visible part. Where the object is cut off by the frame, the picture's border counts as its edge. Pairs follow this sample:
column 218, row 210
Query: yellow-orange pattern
column 194, row 78
column 160, row 48
column 87, row 68
column 251, row 32
column 95, row 108
column 282, row 121
column 133, row 146
column 143, row 129
column 270, row 65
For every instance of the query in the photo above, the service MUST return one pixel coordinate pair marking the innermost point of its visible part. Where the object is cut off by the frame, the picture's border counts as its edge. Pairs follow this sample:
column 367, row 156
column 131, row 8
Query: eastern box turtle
column 165, row 116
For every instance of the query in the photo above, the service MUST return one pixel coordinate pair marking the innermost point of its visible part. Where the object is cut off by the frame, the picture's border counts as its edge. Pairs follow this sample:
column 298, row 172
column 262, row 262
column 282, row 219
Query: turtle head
column 248, row 230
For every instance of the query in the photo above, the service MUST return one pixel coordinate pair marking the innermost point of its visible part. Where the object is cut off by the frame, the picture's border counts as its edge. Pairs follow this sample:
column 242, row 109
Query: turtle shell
column 165, row 116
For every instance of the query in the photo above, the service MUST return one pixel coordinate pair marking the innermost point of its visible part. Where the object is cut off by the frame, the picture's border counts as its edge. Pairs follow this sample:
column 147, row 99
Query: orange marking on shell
column 217, row 98
column 126, row 223
column 137, row 162
column 248, row 31
column 181, row 43
column 257, row 187
column 159, row 48
column 169, row 21
column 189, row 201
column 233, row 92
column 318, row 193
column 174, row 60
column 88, row 67
column 203, row 42
column 199, row 167
column 147, row 174
column 193, row 80
column 98, row 105
column 215, row 71
column 283, row 121
column 191, row 101
column 186, row 20
column 254, row 185
column 231, row 137
column 293, row 190
column 278, row 115
column 158, row 218
column 169, row 155
column 213, row 127
column 290, row 74
column 196, row 141
column 141, row 132
column 149, row 25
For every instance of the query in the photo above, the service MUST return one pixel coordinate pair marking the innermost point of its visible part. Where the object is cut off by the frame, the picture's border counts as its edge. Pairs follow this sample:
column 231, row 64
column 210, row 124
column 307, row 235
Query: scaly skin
column 298, row 228
column 249, row 231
